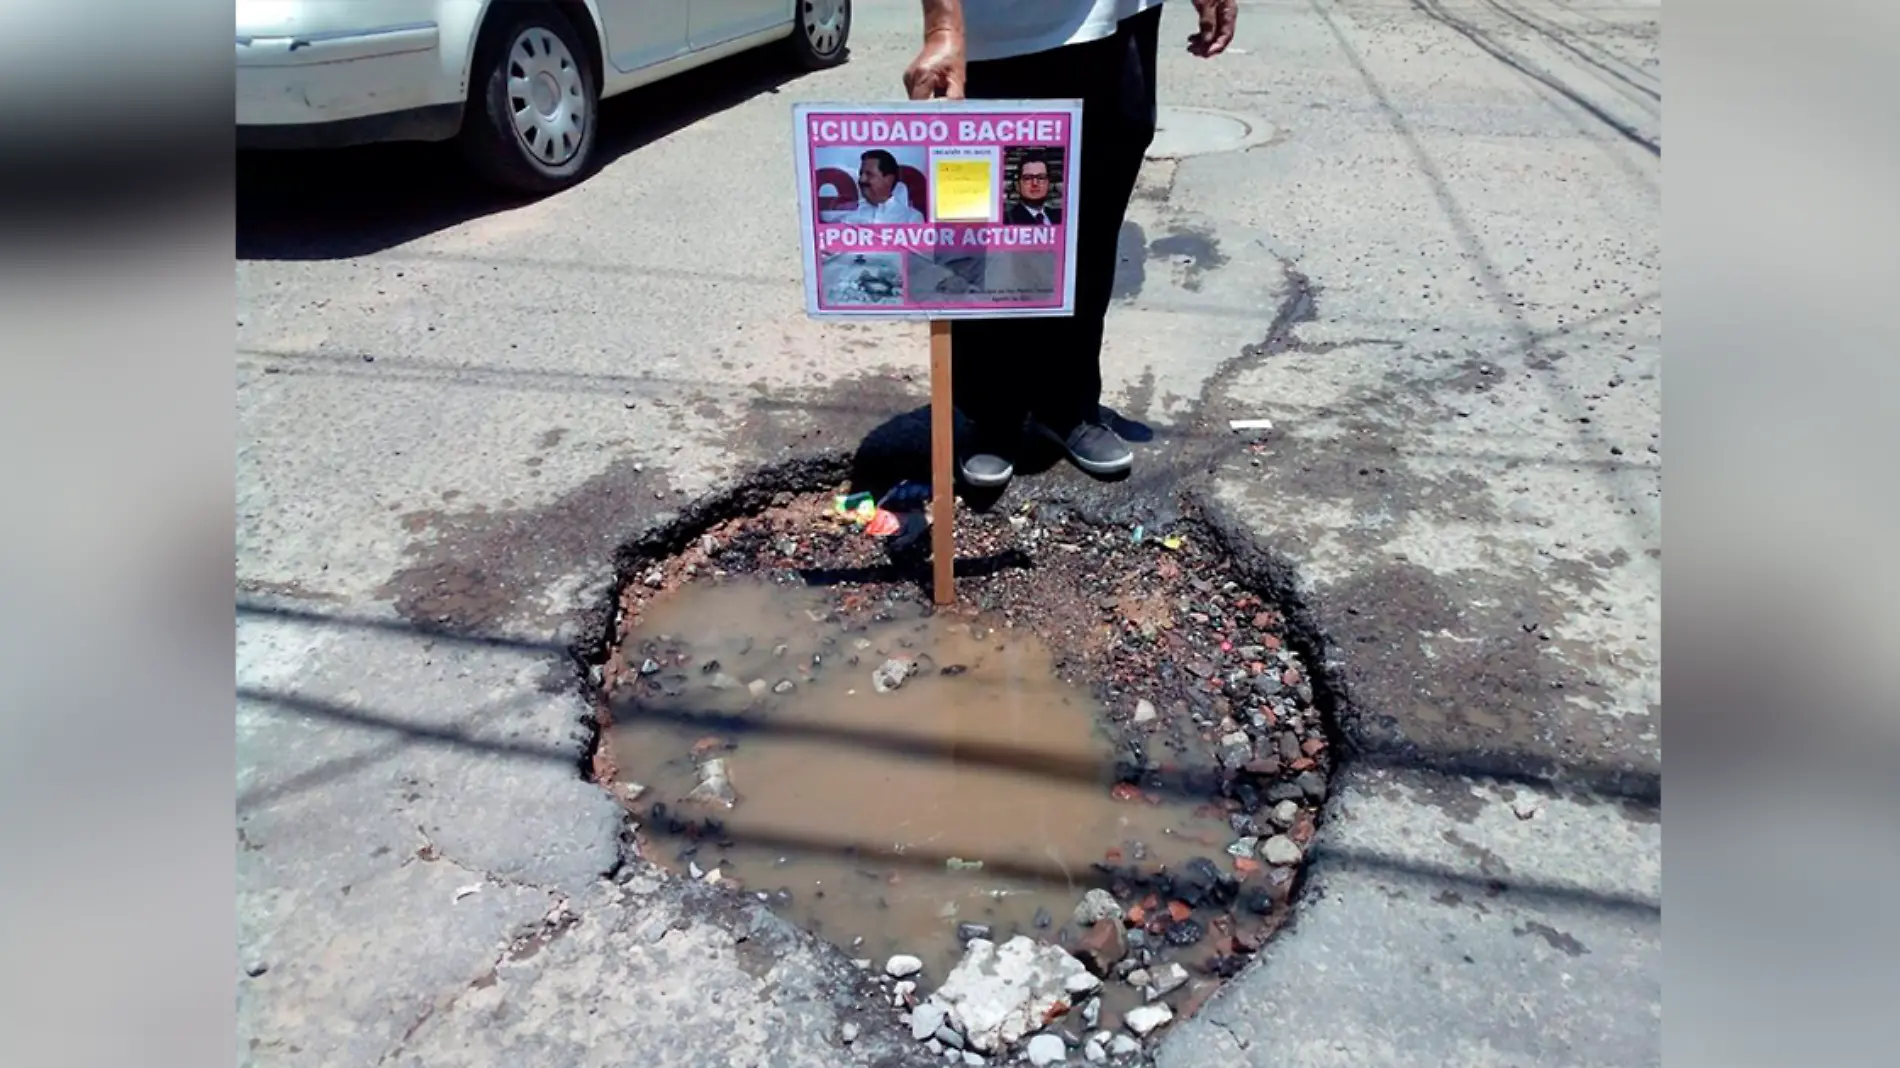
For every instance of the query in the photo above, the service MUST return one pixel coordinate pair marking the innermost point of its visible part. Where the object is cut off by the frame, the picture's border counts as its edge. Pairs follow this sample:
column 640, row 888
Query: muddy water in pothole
column 977, row 792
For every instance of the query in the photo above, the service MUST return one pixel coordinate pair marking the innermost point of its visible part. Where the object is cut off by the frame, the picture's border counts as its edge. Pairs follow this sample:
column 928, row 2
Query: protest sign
column 938, row 209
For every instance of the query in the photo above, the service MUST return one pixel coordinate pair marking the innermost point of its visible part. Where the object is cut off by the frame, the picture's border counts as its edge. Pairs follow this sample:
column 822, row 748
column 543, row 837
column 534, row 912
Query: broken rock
column 1281, row 850
column 1047, row 1049
column 1166, row 980
column 901, row 965
column 1102, row 946
column 892, row 674
column 1146, row 1018
column 996, row 995
column 925, row 1020
column 715, row 787
column 1097, row 904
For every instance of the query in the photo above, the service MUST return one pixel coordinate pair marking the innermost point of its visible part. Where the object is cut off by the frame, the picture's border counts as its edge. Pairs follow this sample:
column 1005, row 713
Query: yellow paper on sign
column 965, row 190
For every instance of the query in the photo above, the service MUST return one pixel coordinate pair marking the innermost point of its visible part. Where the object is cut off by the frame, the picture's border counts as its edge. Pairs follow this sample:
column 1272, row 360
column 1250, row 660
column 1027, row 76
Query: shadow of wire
column 1504, row 55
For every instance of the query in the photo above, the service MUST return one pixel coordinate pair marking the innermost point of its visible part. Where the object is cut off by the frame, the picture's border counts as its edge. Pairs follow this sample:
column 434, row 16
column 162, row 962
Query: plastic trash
column 1138, row 534
column 906, row 495
column 883, row 524
column 857, row 507
column 1173, row 542
column 959, row 864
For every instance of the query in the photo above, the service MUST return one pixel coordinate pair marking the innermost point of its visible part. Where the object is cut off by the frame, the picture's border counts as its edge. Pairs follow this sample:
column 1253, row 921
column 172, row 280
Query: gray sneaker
column 1093, row 447
column 986, row 470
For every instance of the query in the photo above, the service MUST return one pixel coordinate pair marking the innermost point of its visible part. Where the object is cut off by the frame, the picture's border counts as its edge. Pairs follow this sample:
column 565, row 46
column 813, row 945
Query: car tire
column 821, row 32
column 534, row 101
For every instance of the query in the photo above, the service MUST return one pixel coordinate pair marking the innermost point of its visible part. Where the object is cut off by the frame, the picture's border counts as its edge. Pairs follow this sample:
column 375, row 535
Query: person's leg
column 1118, row 124
column 994, row 361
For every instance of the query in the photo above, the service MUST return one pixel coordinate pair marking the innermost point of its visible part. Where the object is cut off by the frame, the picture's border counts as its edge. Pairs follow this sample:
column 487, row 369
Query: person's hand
column 1217, row 27
column 938, row 69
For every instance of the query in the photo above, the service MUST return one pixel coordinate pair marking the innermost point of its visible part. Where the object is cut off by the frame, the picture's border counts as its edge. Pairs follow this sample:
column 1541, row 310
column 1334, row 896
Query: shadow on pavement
column 1184, row 783
column 326, row 205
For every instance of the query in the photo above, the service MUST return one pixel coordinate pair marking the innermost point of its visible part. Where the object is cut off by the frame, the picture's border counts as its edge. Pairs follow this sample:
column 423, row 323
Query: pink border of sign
column 1066, row 114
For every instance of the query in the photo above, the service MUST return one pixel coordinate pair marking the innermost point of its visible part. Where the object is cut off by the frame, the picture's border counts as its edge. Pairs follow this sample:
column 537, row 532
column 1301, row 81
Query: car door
column 641, row 33
column 714, row 22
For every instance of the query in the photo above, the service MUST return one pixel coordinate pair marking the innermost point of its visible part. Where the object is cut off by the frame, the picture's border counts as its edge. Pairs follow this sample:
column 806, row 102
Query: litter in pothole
column 1062, row 811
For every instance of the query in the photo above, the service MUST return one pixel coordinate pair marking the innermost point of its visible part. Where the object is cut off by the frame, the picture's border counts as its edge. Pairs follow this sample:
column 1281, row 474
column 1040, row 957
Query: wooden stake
column 943, row 508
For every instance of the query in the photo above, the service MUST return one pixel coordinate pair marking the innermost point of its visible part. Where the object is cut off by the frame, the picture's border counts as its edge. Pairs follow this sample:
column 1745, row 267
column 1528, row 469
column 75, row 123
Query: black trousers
column 1005, row 369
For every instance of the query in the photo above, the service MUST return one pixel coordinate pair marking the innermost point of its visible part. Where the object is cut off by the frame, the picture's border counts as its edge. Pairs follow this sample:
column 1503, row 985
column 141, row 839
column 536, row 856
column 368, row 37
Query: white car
column 518, row 82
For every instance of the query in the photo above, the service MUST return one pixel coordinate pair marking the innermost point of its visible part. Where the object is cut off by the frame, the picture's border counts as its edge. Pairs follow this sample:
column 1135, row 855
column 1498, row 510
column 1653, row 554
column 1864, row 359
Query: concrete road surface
column 1431, row 256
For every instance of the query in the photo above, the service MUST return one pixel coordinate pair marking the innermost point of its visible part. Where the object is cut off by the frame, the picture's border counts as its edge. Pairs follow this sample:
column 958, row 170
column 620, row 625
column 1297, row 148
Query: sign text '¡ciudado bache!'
column 1037, row 130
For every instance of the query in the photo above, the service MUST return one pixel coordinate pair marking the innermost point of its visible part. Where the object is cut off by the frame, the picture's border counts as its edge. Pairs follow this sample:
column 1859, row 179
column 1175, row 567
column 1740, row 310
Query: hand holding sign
column 937, row 71
column 1217, row 27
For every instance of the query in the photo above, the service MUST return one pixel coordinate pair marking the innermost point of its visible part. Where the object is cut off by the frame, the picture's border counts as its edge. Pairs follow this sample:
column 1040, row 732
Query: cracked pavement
column 1439, row 277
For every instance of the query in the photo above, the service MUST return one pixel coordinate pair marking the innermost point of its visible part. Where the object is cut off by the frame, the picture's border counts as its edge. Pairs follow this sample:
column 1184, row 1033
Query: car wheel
column 533, row 101
column 824, row 26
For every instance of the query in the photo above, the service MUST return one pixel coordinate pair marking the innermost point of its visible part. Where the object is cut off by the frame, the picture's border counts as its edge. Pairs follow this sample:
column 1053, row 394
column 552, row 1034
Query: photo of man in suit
column 1033, row 204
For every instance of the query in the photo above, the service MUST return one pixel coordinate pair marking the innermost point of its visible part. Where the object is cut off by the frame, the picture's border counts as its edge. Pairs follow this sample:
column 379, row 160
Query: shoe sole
column 986, row 481
column 1093, row 467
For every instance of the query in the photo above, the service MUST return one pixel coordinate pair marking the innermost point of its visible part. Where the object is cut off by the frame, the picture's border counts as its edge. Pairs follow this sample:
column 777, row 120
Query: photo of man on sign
column 1035, row 196
column 870, row 185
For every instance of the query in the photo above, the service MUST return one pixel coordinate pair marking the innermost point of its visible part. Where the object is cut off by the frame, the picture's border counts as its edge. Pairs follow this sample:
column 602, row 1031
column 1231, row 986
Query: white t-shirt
column 895, row 209
column 998, row 29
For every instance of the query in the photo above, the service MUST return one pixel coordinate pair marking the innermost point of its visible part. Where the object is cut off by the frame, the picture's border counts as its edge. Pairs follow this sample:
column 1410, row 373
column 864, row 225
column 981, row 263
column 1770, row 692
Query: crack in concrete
column 1229, row 1028
column 527, row 940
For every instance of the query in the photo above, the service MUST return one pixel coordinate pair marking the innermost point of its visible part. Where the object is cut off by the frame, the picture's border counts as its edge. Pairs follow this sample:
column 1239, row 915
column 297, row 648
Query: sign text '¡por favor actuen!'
column 936, row 131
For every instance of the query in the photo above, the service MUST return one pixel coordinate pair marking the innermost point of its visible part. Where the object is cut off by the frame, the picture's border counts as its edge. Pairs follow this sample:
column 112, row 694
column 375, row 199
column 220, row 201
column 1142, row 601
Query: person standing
column 1047, row 372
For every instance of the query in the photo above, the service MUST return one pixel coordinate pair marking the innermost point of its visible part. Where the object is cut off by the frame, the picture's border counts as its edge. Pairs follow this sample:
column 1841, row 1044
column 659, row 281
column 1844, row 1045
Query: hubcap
column 824, row 24
column 547, row 97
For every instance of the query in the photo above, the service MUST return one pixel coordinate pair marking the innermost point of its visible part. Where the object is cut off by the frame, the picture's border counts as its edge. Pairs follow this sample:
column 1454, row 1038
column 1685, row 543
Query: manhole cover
column 1181, row 132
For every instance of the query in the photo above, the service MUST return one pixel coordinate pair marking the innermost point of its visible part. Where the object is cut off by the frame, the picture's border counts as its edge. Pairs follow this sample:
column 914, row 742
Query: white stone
column 1285, row 813
column 1144, row 711
column 902, row 965
column 1097, row 905
column 1281, row 851
column 849, row 1032
column 1148, row 1017
column 996, row 995
column 1094, row 1052
column 1122, row 1046
column 900, row 994
column 1080, row 984
column 1167, row 979
column 925, row 1020
column 1139, row 977
column 975, row 1060
column 1047, row 1049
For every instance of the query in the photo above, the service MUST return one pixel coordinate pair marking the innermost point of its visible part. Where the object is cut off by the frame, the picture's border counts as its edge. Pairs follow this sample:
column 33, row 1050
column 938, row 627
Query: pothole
column 1106, row 747
column 1183, row 131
